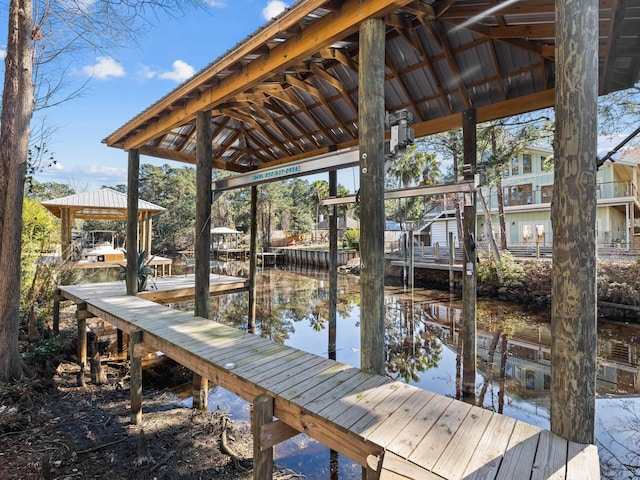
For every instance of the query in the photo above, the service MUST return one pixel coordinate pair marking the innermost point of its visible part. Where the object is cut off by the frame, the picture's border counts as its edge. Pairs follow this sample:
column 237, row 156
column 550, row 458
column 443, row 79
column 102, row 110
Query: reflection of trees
column 505, row 324
column 618, row 450
column 409, row 350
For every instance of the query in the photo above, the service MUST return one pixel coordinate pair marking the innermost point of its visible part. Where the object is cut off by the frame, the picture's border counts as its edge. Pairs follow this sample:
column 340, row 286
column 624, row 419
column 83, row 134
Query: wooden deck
column 399, row 431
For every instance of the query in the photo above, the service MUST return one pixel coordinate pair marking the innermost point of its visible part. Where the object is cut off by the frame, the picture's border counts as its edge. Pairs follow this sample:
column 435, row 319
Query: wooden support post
column 135, row 361
column 65, row 230
column 262, row 456
column 452, row 253
column 371, row 136
column 56, row 311
column 119, row 341
column 333, row 265
column 411, row 259
column 81, row 316
column 200, row 392
column 204, row 155
column 253, row 252
column 574, row 310
column 132, row 221
column 469, row 347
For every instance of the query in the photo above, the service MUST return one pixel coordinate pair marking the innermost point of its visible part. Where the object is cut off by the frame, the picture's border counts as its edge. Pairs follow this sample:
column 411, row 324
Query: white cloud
column 273, row 9
column 91, row 176
column 105, row 68
column 181, row 72
column 145, row 73
column 215, row 3
column 3, row 54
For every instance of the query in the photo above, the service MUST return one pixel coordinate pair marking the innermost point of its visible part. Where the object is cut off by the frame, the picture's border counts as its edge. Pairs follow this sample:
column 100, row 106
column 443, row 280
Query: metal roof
column 290, row 90
column 103, row 204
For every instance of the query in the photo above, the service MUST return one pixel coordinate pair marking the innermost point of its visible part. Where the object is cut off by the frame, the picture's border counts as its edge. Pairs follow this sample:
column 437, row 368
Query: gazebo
column 103, row 204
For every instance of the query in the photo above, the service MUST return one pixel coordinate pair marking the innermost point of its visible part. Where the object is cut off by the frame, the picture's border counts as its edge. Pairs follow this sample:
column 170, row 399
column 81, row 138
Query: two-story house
column 527, row 186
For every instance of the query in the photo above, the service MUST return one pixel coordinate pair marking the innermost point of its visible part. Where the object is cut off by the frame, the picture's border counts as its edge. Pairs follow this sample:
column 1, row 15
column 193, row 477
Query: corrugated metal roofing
column 101, row 204
column 288, row 93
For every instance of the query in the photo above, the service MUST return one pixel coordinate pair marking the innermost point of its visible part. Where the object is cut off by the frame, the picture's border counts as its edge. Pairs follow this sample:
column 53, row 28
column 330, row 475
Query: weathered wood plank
column 276, row 432
column 409, row 438
column 428, row 451
column 485, row 461
column 327, row 375
column 388, row 429
column 304, row 394
column 377, row 414
column 342, row 397
column 455, row 458
column 297, row 362
column 551, row 457
column 395, row 467
column 521, row 451
column 240, row 345
column 361, row 404
column 582, row 462
column 287, row 380
column 273, row 358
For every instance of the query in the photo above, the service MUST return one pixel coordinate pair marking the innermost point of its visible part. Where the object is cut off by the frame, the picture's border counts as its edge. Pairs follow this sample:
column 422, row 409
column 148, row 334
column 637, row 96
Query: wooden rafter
column 290, row 90
column 287, row 53
column 439, row 35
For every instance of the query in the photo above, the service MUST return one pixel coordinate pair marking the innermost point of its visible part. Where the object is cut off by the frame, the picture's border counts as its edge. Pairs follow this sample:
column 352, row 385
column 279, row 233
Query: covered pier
column 394, row 430
column 316, row 81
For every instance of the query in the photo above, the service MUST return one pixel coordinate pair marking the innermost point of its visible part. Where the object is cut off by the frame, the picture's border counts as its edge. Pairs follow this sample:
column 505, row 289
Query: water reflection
column 423, row 340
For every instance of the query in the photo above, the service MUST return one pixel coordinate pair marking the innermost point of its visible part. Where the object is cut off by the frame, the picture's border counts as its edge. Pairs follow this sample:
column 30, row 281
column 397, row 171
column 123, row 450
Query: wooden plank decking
column 417, row 434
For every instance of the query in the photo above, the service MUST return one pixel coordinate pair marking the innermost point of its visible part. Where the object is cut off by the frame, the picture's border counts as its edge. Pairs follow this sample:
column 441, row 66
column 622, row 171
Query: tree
column 499, row 142
column 17, row 110
column 60, row 30
column 175, row 190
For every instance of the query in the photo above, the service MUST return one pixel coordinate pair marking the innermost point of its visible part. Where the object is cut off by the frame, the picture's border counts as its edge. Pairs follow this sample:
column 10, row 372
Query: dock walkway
column 396, row 430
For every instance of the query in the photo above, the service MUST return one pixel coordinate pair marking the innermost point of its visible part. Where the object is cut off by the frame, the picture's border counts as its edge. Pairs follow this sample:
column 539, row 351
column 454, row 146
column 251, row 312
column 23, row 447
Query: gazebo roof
column 290, row 90
column 103, row 204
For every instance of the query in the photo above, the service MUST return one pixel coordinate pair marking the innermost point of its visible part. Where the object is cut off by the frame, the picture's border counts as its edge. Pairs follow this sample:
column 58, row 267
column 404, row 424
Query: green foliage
column 512, row 271
column 175, row 190
column 40, row 231
column 52, row 349
column 47, row 190
column 352, row 238
column 143, row 270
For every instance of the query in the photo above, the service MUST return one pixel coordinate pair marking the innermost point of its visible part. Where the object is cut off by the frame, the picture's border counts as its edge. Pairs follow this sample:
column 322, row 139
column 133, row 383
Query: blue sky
column 123, row 83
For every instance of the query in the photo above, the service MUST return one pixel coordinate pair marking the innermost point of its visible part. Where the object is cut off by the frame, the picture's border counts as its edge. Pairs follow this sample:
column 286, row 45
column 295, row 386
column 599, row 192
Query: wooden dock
column 394, row 430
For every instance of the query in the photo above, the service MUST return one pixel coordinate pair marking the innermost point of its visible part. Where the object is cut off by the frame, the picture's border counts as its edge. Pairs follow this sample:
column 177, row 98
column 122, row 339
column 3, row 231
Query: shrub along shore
column 529, row 282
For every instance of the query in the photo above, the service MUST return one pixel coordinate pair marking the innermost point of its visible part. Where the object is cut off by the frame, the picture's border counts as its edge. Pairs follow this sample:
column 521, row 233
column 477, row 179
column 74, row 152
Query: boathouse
column 313, row 85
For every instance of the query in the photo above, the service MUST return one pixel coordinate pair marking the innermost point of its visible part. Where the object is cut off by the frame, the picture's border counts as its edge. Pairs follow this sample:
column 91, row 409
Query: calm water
column 422, row 337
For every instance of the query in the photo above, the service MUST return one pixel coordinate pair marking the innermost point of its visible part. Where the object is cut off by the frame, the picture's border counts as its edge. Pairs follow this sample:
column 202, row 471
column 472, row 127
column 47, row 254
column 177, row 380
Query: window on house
column 526, row 163
column 515, row 166
column 547, row 193
column 518, row 195
column 543, row 160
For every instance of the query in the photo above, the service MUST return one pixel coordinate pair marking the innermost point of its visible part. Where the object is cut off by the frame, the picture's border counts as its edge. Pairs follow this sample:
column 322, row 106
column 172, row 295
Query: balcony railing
column 605, row 190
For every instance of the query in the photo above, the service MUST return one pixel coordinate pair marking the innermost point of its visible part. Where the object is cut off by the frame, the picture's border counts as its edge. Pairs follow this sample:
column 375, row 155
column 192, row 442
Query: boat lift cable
column 613, row 151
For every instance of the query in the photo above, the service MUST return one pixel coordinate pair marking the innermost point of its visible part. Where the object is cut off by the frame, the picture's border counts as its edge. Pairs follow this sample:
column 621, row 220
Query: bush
column 512, row 271
column 352, row 239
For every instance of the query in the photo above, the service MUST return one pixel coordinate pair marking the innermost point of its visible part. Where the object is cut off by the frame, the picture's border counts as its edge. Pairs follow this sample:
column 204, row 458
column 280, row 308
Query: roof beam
column 320, row 34
column 188, row 158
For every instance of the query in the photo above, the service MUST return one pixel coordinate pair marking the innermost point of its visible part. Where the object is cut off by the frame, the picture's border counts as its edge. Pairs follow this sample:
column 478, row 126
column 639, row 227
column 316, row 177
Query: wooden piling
column 573, row 215
column 81, row 316
column 133, row 181
column 371, row 136
column 135, row 337
column 333, row 264
column 262, row 456
column 469, row 346
column 253, row 264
